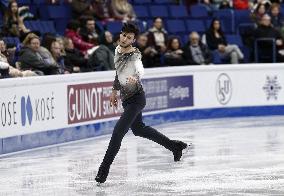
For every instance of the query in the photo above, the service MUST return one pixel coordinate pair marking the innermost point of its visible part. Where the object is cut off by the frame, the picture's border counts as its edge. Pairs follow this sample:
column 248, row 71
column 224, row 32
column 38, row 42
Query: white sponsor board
column 29, row 105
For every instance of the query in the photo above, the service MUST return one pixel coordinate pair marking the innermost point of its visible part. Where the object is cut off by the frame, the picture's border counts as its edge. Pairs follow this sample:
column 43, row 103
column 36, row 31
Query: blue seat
column 150, row 23
column 246, row 28
column 163, row 2
column 48, row 27
column 114, row 27
column 39, row 2
column 227, row 16
column 41, row 26
column 198, row 11
column 159, row 11
column 265, row 50
column 58, row 11
column 175, row 26
column 141, row 11
column 24, row 2
column 185, row 38
column 60, row 25
column 142, row 26
column 141, row 2
column 242, row 16
column 195, row 25
column 178, row 11
column 235, row 39
column 11, row 40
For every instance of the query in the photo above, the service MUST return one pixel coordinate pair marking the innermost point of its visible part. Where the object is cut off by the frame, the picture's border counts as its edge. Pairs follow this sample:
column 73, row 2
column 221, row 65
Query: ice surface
column 239, row 156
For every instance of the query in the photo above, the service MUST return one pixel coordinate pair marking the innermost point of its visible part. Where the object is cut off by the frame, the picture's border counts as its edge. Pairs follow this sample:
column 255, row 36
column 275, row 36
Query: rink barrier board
column 246, row 96
column 59, row 136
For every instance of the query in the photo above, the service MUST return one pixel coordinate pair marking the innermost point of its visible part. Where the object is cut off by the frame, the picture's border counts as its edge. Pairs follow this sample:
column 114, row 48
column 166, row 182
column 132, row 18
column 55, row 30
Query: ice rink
column 238, row 156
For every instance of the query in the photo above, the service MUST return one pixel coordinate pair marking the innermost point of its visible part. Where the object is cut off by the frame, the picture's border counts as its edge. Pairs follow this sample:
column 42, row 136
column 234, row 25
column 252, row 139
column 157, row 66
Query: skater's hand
column 113, row 100
column 132, row 79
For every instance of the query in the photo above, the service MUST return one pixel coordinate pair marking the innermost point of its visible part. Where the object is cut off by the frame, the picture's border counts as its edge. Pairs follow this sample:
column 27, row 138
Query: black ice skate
column 102, row 174
column 177, row 152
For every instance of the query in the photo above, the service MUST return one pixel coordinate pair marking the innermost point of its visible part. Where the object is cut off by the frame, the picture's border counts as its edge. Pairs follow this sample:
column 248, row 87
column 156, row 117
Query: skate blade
column 185, row 151
column 99, row 184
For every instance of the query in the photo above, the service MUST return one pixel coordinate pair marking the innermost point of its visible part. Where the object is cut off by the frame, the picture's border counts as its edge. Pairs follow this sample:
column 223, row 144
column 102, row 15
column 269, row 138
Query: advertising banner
column 32, row 108
column 90, row 101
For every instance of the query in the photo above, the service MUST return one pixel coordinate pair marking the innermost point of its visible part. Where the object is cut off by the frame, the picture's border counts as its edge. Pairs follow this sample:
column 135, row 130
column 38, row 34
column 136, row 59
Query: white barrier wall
column 53, row 109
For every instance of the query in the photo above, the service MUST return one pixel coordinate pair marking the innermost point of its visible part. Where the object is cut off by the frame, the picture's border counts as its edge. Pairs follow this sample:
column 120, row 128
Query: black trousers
column 132, row 118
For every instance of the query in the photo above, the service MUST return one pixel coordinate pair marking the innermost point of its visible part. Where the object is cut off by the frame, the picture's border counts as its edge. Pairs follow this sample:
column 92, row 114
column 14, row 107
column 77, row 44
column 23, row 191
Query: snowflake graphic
column 271, row 87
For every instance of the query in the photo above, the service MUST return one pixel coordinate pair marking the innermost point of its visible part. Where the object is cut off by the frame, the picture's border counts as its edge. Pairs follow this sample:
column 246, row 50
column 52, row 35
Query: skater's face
column 126, row 39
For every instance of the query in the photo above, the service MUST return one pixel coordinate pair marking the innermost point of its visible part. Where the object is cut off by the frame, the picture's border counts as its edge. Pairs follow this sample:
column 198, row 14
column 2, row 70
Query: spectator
column 195, row 52
column 266, row 30
column 9, row 53
column 122, row 10
column 59, row 59
column 174, row 53
column 213, row 5
column 61, row 44
column 259, row 10
column 102, row 10
column 157, row 36
column 72, row 31
column 150, row 56
column 13, row 23
column 89, row 32
column 241, row 4
column 76, row 60
column 101, row 59
column 216, row 40
column 82, row 8
column 276, row 17
column 47, row 39
column 107, row 40
column 225, row 4
column 8, row 56
column 31, row 59
column 4, row 67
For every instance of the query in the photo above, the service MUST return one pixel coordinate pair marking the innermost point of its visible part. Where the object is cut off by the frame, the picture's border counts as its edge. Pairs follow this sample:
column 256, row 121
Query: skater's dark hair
column 130, row 27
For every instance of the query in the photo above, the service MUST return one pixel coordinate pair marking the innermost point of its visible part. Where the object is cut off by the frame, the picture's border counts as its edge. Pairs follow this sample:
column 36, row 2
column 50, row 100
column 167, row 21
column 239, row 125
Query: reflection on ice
column 229, row 156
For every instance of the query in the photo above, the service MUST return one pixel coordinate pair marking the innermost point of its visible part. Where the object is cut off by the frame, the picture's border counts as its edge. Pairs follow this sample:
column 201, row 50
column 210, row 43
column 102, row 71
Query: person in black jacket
column 174, row 53
column 89, row 31
column 216, row 40
column 195, row 52
column 267, row 31
column 31, row 59
column 74, row 58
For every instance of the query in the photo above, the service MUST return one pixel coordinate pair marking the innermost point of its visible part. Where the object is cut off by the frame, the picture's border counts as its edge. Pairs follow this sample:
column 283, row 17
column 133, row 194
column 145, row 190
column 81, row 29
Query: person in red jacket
column 72, row 32
column 241, row 4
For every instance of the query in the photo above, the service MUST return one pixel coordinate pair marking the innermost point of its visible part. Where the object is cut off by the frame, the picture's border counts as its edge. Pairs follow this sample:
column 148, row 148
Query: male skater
column 129, row 69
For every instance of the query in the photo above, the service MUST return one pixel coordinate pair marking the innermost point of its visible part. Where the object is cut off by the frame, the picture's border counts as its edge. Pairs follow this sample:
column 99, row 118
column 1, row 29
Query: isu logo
column 224, row 89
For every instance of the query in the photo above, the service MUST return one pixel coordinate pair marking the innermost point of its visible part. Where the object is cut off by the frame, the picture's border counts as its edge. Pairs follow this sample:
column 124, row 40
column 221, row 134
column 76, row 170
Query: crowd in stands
column 88, row 45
